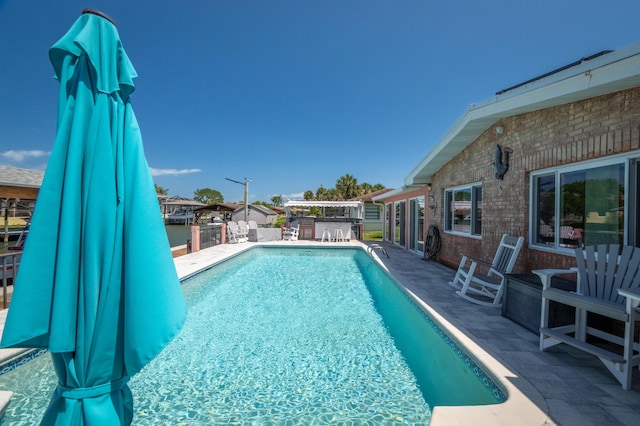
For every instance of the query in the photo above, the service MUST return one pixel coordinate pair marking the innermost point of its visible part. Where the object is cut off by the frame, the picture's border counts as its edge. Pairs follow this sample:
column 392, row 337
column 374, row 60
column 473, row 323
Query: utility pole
column 246, row 186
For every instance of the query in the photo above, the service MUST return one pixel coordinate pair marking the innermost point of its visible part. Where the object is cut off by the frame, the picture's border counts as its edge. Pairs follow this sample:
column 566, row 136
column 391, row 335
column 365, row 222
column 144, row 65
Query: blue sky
column 295, row 94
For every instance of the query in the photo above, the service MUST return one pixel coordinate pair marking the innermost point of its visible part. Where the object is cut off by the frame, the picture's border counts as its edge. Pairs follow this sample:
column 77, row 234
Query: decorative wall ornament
column 501, row 163
column 433, row 203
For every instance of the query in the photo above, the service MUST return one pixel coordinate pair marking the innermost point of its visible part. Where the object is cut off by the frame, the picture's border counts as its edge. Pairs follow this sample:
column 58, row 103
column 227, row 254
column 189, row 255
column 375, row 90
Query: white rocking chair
column 486, row 289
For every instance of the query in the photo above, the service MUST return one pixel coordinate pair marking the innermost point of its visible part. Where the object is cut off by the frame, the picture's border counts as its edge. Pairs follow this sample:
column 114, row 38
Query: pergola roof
column 215, row 207
column 304, row 203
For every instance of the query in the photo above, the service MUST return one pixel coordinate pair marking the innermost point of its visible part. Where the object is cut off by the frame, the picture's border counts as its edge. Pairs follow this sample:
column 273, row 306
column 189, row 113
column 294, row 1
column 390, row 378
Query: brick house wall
column 578, row 131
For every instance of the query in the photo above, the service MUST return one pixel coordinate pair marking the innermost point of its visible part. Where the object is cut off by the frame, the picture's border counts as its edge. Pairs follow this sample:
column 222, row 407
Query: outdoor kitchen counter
column 332, row 227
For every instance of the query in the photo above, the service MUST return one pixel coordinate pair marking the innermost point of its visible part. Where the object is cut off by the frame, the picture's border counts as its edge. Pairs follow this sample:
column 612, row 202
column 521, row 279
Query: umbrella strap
column 93, row 391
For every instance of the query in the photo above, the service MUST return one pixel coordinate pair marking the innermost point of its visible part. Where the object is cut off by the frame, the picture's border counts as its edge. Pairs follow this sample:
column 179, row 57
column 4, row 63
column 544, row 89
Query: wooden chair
column 609, row 285
column 291, row 234
column 487, row 288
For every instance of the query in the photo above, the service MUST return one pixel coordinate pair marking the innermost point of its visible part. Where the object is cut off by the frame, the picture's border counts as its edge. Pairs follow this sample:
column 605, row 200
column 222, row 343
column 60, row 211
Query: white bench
column 608, row 285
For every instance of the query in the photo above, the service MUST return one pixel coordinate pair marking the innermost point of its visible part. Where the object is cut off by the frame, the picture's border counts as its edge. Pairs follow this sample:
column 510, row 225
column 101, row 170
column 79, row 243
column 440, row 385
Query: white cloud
column 172, row 172
column 21, row 155
column 296, row 196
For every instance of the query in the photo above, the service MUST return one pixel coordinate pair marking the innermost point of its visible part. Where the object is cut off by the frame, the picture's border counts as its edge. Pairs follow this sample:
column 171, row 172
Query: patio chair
column 291, row 233
column 243, row 227
column 234, row 234
column 608, row 285
column 487, row 288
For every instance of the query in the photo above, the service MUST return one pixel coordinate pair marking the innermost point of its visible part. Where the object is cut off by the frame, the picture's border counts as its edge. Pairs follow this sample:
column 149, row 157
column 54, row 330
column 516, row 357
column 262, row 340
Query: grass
column 372, row 236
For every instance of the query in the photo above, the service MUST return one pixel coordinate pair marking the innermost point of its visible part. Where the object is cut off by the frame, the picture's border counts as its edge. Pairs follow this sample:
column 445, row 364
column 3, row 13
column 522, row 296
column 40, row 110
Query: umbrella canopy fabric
column 97, row 283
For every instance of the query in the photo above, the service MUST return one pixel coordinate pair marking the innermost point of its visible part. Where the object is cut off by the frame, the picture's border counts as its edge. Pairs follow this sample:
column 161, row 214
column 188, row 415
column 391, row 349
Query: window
column 416, row 224
column 579, row 206
column 463, row 210
column 389, row 221
column 400, row 223
column 372, row 212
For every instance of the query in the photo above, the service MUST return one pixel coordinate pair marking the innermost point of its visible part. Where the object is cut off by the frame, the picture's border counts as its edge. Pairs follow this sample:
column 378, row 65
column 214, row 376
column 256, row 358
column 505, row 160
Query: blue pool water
column 290, row 336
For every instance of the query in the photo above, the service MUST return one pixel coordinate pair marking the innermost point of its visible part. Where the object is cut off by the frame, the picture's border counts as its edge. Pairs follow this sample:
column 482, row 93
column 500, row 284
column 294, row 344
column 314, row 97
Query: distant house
column 571, row 141
column 373, row 219
column 18, row 192
column 20, row 184
column 262, row 215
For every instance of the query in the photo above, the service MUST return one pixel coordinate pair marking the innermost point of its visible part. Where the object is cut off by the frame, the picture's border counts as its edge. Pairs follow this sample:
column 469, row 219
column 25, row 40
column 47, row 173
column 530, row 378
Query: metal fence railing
column 9, row 264
column 210, row 236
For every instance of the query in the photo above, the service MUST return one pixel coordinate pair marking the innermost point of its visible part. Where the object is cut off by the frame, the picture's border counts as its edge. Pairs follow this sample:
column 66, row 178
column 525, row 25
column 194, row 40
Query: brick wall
column 573, row 132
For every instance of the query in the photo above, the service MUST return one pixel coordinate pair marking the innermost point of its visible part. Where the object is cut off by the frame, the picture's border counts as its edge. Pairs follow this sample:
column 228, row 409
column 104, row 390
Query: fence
column 9, row 263
column 210, row 236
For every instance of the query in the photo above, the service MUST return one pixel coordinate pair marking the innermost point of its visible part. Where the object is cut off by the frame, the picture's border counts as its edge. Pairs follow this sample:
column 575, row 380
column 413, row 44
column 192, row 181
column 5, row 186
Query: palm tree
column 321, row 194
column 161, row 191
column 347, row 187
column 276, row 200
column 365, row 188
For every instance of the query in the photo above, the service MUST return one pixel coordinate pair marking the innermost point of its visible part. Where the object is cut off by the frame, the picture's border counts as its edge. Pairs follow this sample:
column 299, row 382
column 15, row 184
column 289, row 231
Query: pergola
column 358, row 205
column 215, row 207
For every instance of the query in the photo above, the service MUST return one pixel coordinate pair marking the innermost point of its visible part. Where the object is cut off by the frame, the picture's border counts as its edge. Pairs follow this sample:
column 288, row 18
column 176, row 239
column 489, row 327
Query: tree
column 208, row 196
column 347, row 187
column 365, row 188
column 276, row 200
column 321, row 194
column 161, row 191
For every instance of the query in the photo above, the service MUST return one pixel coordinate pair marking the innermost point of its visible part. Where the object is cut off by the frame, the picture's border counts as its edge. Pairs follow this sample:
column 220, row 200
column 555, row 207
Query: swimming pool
column 292, row 336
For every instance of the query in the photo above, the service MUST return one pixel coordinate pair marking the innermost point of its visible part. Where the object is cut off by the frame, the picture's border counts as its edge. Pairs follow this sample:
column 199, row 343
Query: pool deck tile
column 560, row 386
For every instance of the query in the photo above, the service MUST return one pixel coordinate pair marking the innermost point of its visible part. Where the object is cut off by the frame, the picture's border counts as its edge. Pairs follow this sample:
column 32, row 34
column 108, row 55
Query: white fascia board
column 615, row 71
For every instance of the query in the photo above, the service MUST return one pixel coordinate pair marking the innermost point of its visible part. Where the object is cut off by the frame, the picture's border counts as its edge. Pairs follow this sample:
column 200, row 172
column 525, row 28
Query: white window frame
column 416, row 239
column 624, row 159
column 474, row 208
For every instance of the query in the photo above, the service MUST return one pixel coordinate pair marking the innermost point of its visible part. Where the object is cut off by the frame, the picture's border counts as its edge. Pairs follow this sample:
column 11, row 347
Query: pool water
column 290, row 336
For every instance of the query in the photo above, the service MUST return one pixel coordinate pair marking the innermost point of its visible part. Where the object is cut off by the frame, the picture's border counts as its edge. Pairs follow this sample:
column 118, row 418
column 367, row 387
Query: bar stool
column 339, row 235
column 325, row 234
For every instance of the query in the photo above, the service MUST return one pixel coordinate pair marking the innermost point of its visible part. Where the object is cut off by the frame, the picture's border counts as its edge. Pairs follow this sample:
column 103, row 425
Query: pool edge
column 517, row 409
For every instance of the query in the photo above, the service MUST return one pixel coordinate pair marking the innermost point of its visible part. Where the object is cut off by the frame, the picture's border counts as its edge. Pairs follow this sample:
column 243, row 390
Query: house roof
column 594, row 76
column 265, row 210
column 25, row 178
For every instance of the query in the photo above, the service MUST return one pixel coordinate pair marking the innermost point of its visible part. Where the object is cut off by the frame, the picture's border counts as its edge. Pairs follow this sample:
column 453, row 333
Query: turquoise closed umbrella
column 97, row 284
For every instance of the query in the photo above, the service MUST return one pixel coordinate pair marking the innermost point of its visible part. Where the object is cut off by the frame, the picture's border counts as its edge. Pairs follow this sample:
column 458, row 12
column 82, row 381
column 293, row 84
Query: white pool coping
column 517, row 409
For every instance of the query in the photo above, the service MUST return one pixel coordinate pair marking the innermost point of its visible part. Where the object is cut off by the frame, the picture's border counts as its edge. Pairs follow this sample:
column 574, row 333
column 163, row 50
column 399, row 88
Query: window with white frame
column 579, row 205
column 463, row 210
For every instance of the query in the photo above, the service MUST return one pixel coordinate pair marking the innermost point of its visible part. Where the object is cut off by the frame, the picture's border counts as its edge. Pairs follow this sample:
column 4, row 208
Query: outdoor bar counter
column 332, row 225
column 312, row 228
